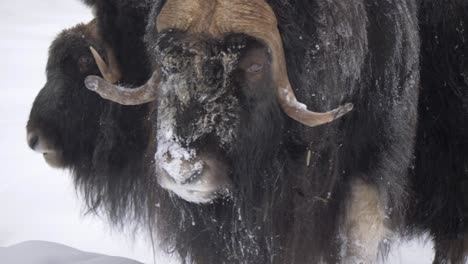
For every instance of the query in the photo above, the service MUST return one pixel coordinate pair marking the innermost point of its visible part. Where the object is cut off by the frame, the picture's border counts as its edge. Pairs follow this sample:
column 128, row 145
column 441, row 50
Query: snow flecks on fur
column 178, row 163
column 183, row 171
column 170, row 154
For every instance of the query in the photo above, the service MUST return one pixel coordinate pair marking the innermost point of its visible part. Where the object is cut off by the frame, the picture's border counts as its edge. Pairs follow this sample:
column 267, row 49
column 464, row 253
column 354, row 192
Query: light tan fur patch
column 364, row 226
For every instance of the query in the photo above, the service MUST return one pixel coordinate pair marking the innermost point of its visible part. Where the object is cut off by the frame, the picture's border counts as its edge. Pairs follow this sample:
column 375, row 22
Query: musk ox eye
column 84, row 63
column 255, row 68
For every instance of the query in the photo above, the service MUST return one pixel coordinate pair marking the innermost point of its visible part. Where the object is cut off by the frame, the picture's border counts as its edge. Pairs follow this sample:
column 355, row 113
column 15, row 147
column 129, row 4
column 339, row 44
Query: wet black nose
column 33, row 139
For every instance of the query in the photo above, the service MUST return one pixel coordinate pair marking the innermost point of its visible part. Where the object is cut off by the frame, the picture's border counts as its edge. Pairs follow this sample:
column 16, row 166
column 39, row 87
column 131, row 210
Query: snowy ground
column 40, row 252
column 37, row 202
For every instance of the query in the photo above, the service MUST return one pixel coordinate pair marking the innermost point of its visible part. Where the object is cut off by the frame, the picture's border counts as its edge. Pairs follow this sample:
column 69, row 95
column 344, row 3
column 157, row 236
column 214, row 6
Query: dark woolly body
column 281, row 210
column 114, row 178
column 440, row 178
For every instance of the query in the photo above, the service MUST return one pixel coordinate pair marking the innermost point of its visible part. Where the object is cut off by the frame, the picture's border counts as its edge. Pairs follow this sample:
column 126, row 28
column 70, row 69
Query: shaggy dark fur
column 280, row 209
column 441, row 173
column 118, row 165
column 101, row 142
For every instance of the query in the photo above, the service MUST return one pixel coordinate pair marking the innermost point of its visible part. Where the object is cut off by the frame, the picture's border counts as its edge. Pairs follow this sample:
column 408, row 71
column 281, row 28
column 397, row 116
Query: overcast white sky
column 37, row 202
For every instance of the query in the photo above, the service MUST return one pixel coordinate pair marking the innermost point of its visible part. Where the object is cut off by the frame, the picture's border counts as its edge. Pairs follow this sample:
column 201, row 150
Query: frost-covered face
column 206, row 91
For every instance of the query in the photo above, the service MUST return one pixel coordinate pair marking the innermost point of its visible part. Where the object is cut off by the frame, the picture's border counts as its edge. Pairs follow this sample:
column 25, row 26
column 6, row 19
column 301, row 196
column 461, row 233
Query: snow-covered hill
column 41, row 252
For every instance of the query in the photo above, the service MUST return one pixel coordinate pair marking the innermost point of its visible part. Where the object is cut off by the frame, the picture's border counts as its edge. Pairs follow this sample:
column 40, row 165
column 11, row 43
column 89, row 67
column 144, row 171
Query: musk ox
column 440, row 177
column 100, row 142
column 236, row 179
column 239, row 176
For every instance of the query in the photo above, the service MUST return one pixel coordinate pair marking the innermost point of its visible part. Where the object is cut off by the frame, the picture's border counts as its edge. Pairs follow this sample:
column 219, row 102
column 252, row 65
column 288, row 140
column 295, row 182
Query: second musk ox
column 242, row 176
column 100, row 142
column 242, row 182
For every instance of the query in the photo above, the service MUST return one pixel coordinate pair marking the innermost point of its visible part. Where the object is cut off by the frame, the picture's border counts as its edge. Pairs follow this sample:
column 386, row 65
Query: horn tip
column 341, row 111
column 348, row 107
column 92, row 49
column 92, row 82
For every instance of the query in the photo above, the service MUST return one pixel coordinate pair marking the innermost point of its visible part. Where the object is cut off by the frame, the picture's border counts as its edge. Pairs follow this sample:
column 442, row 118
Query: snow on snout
column 179, row 162
column 180, row 170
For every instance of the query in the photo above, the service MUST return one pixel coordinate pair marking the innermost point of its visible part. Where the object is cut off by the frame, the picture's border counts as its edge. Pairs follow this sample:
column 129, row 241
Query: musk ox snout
column 194, row 178
column 39, row 143
column 195, row 174
column 32, row 139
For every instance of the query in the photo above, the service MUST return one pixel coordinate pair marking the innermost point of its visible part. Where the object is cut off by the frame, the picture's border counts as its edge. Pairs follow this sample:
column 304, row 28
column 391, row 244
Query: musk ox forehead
column 71, row 42
column 197, row 108
column 176, row 50
column 198, row 97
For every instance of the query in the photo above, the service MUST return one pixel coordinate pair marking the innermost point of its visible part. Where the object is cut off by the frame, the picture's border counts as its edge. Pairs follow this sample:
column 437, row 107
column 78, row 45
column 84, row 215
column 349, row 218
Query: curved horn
column 299, row 112
column 286, row 97
column 256, row 18
column 122, row 95
column 111, row 72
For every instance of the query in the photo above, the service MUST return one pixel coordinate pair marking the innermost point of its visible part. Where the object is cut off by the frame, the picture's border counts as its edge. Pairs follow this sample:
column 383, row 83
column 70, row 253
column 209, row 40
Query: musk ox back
column 239, row 179
column 440, row 177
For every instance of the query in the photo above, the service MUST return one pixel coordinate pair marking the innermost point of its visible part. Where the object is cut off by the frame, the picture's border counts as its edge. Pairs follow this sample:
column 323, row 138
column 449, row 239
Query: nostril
column 195, row 176
column 33, row 139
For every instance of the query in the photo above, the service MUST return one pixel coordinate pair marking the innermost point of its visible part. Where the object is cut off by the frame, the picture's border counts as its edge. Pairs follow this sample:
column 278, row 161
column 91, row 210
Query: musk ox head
column 209, row 92
column 219, row 73
column 53, row 122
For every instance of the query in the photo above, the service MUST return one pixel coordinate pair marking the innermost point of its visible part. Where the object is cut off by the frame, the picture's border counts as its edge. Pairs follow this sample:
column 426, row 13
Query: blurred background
column 36, row 201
